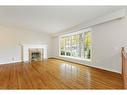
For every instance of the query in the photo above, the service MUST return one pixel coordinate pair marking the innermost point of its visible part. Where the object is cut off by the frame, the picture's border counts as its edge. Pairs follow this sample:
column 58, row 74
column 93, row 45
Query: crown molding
column 100, row 20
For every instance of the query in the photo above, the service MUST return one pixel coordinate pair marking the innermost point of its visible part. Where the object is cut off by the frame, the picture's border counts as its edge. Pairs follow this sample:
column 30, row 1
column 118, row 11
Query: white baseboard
column 86, row 63
column 10, row 62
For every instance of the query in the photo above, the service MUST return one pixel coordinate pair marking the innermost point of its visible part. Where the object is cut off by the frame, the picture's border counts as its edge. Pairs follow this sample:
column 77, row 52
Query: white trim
column 59, row 46
column 84, row 62
column 10, row 62
column 110, row 17
column 100, row 20
column 27, row 46
column 75, row 33
column 77, row 58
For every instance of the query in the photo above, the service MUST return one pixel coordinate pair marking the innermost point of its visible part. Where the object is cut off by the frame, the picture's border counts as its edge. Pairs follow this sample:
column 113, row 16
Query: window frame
column 76, row 33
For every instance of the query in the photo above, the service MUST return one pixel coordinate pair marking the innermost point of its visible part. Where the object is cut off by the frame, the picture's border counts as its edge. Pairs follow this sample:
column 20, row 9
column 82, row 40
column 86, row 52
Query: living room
column 63, row 47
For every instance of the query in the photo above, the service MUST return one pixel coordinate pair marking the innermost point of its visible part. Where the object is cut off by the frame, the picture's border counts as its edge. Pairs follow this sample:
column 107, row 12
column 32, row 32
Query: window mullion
column 84, row 45
column 71, row 44
column 76, row 45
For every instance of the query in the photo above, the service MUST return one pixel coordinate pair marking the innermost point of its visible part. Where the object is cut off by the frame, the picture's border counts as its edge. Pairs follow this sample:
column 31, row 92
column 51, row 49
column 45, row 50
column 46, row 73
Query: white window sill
column 89, row 60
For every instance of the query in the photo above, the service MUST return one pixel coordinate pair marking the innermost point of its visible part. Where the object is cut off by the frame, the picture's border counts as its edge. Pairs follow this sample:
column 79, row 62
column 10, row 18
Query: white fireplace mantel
column 26, row 47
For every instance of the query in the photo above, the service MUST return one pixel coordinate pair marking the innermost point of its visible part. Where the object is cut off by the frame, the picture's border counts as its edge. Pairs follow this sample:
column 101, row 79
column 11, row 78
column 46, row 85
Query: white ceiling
column 50, row 19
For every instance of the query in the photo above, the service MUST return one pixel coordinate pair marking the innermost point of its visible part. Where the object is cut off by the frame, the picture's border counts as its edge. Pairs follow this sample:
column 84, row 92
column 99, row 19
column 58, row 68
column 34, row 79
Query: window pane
column 87, row 52
column 76, row 45
column 67, row 46
column 81, row 44
column 62, row 45
column 78, row 49
column 73, row 45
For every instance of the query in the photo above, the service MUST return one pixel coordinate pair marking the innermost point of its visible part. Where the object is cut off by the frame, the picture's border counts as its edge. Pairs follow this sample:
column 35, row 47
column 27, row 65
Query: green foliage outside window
column 78, row 45
column 87, row 45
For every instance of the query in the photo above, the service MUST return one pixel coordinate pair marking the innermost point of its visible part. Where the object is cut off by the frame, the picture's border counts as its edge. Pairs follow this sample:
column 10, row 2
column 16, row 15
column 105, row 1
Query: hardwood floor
column 56, row 74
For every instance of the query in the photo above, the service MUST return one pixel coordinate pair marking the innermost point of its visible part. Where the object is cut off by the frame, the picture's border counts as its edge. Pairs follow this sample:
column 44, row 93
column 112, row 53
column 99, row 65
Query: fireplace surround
column 34, row 52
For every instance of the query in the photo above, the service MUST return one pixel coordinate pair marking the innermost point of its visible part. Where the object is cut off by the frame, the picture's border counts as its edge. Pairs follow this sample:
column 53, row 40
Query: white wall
column 11, row 40
column 107, row 40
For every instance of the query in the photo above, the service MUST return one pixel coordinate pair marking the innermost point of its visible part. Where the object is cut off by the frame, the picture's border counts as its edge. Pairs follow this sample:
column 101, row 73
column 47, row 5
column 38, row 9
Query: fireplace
column 35, row 54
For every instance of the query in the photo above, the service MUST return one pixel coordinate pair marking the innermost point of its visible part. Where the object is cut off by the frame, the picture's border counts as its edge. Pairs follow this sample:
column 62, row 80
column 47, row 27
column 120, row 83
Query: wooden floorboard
column 56, row 74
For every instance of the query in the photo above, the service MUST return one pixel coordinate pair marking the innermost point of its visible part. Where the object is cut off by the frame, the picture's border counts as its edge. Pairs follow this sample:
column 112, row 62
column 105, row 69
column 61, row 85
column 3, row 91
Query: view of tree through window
column 76, row 45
